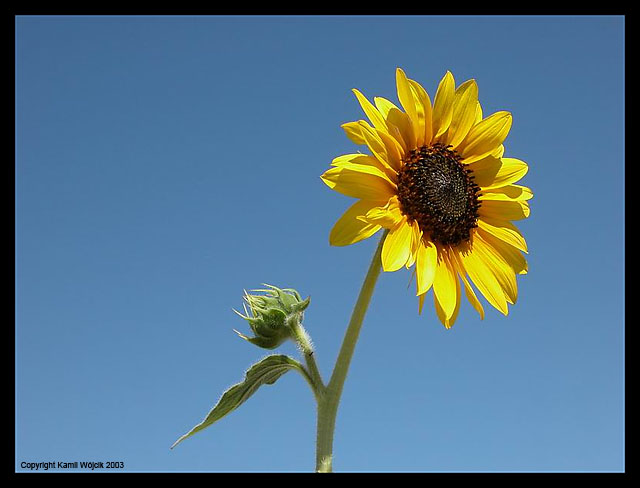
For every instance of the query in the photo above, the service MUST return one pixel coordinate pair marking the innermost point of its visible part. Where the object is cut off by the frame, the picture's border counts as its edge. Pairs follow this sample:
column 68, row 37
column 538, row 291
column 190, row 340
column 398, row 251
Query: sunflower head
column 436, row 178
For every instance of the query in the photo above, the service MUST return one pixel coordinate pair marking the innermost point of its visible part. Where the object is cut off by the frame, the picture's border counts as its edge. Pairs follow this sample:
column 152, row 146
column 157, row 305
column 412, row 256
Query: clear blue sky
column 164, row 164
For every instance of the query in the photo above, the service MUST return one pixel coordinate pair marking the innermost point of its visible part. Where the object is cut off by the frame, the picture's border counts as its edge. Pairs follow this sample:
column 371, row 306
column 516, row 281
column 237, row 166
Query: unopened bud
column 273, row 316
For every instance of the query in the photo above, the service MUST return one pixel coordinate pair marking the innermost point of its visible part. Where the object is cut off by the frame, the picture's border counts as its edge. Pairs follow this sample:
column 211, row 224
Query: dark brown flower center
column 437, row 191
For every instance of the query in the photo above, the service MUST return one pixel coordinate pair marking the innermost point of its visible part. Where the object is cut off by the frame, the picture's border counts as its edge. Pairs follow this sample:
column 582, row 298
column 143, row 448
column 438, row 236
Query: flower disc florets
column 437, row 191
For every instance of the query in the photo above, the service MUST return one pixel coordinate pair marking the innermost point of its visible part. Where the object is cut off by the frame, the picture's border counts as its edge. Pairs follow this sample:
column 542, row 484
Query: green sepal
column 263, row 342
column 264, row 372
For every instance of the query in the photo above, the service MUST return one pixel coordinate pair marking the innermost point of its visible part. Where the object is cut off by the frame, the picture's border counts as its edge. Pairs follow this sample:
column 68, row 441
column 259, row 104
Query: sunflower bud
column 274, row 316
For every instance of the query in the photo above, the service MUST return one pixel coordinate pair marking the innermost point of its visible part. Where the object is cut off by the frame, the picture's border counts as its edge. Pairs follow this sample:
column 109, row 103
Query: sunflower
column 438, row 181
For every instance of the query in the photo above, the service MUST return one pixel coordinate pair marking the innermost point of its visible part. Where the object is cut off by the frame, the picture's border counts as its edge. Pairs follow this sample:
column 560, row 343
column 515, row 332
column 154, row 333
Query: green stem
column 304, row 343
column 314, row 373
column 329, row 401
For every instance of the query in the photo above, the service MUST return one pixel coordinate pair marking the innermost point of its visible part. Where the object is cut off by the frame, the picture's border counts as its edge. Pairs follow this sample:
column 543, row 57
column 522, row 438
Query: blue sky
column 164, row 164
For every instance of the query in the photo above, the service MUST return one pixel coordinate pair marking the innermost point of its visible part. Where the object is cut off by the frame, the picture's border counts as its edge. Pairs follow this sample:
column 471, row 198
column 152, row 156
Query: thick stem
column 328, row 403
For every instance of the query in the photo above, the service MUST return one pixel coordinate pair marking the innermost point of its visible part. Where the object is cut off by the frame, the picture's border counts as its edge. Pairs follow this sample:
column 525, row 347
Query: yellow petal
column 505, row 231
column 408, row 103
column 426, row 263
column 416, row 239
column 383, row 105
column 499, row 152
column 510, row 254
column 359, row 181
column 354, row 133
column 366, row 160
column 358, row 158
column 370, row 111
column 376, row 145
column 491, row 172
column 465, row 105
column 348, row 229
column 387, row 215
column 444, row 285
column 443, row 105
column 482, row 276
column 502, row 270
column 478, row 113
column 448, row 317
column 397, row 247
column 423, row 112
column 421, row 303
column 398, row 123
column 504, row 210
column 393, row 149
column 471, row 296
column 513, row 193
column 468, row 289
column 485, row 137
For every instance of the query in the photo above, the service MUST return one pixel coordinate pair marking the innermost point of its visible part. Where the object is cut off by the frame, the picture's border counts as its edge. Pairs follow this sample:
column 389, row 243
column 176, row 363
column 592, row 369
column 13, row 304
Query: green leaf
column 265, row 372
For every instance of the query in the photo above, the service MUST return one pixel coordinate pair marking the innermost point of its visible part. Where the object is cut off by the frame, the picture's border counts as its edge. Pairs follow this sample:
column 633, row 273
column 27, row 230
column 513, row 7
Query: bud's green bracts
column 274, row 316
